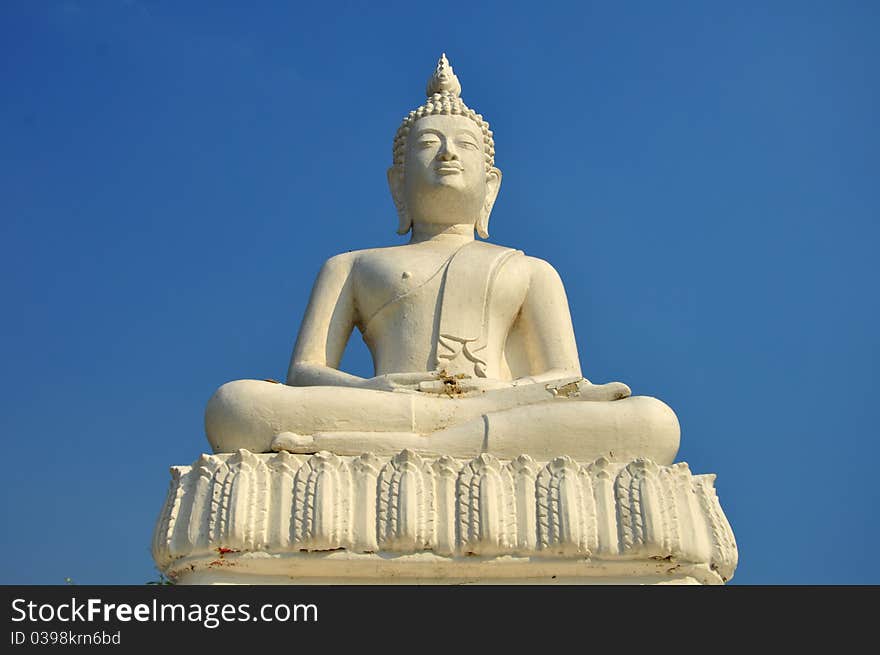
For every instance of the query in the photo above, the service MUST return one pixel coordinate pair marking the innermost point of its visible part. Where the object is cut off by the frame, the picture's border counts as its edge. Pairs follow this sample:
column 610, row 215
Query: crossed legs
column 263, row 416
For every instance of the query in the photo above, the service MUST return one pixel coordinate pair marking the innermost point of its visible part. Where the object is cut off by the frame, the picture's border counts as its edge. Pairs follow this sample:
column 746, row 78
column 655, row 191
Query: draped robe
column 457, row 298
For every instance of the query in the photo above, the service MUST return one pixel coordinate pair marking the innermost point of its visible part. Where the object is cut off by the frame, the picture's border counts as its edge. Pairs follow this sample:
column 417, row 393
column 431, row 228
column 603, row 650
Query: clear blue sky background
column 704, row 176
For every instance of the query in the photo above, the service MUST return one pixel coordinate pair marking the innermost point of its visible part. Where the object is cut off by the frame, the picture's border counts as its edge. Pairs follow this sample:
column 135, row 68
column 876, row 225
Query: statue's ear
column 395, row 183
column 493, row 186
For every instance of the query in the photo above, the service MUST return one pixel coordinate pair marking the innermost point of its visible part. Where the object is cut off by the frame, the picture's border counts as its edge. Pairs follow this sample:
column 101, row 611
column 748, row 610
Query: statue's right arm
column 327, row 324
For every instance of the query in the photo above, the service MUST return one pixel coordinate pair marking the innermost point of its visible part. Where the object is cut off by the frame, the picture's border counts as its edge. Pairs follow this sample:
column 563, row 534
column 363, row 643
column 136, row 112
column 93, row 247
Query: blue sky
column 704, row 177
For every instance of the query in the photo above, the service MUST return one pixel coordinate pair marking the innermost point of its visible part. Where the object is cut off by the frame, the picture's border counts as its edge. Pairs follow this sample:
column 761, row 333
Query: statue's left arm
column 545, row 321
column 546, row 328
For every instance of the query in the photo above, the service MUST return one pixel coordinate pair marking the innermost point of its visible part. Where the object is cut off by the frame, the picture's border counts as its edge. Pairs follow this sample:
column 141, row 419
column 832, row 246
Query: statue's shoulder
column 542, row 275
column 497, row 252
column 518, row 259
column 349, row 258
column 535, row 268
column 339, row 264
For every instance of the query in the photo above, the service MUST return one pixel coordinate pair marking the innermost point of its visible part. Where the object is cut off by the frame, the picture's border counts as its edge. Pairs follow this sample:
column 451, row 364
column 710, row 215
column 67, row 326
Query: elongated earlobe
column 493, row 186
column 395, row 184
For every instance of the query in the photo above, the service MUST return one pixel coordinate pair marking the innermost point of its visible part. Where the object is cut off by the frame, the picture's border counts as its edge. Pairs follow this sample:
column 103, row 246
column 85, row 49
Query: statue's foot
column 300, row 444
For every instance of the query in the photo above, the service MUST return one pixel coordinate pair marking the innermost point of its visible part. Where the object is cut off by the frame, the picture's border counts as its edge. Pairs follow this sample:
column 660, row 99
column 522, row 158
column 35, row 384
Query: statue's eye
column 470, row 145
column 427, row 143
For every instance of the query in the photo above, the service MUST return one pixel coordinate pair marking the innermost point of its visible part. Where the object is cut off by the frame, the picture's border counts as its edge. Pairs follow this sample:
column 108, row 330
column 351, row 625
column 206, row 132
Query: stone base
column 322, row 519
column 428, row 568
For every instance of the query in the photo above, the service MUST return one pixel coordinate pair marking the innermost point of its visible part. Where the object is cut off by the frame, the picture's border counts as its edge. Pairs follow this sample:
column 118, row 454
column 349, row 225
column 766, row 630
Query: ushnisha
column 472, row 343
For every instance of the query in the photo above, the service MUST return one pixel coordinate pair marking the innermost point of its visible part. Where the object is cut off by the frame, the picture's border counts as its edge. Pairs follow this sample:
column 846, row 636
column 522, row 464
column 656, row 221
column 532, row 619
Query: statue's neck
column 462, row 232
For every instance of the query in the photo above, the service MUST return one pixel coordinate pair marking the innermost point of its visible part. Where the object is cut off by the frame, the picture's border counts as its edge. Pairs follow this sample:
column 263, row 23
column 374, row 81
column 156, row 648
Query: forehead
column 447, row 124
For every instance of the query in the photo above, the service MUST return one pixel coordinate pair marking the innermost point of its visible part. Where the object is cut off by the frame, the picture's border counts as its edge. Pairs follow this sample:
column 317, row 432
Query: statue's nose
column 447, row 152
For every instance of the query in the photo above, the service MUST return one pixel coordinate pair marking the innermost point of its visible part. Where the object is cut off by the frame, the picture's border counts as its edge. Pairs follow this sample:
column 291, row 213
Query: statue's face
column 445, row 169
column 445, row 151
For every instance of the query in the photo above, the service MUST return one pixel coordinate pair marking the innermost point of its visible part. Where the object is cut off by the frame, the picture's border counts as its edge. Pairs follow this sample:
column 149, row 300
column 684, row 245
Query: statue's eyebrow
column 436, row 132
column 469, row 133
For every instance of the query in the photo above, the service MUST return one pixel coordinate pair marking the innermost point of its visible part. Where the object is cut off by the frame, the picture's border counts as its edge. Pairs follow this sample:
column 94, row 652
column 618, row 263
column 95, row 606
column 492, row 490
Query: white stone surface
column 489, row 457
column 265, row 518
column 472, row 343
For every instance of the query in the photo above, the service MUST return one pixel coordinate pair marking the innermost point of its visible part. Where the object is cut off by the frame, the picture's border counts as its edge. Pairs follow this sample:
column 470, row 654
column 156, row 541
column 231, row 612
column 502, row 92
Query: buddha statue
column 472, row 343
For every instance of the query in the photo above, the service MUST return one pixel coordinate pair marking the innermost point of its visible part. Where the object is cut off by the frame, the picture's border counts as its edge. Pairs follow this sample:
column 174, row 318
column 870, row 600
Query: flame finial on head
column 444, row 79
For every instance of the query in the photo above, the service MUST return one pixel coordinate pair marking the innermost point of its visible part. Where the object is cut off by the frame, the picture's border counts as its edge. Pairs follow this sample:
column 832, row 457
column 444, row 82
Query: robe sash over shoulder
column 463, row 332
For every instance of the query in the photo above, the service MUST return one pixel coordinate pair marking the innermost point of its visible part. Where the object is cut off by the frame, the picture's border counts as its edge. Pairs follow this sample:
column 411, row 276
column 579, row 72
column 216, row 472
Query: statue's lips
column 448, row 169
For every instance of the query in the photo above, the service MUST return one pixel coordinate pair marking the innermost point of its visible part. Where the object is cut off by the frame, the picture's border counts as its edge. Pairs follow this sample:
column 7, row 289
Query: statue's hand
column 399, row 381
column 451, row 386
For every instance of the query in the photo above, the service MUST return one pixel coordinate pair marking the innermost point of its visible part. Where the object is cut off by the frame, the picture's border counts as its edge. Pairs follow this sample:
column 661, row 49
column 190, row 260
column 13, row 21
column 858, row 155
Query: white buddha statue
column 472, row 343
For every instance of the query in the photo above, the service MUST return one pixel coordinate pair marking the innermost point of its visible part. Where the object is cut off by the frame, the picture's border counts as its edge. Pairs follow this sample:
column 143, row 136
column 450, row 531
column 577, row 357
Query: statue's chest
column 382, row 281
